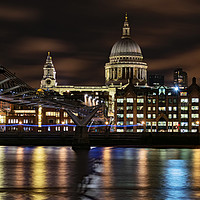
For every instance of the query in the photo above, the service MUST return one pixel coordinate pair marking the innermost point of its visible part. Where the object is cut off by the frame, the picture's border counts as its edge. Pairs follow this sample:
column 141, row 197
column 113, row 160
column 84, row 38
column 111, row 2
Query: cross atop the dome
column 126, row 17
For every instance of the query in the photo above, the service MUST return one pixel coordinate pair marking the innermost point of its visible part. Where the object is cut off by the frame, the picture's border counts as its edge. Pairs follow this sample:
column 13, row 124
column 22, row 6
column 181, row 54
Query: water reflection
column 176, row 181
column 39, row 181
column 19, row 167
column 109, row 173
column 2, row 157
column 196, row 173
column 142, row 174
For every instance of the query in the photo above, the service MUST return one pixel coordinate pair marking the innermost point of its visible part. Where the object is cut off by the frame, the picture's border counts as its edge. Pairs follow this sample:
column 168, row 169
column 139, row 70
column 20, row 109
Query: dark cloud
column 80, row 35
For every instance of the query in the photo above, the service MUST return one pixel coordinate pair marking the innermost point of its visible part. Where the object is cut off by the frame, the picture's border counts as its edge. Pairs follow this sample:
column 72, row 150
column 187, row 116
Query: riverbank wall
column 100, row 139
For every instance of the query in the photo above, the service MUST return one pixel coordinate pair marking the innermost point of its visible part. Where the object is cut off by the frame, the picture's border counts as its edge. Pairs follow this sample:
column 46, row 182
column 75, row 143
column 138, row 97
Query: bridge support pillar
column 81, row 138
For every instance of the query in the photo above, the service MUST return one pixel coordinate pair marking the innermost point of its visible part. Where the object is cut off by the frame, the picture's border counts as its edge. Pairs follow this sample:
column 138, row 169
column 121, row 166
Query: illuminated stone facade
column 126, row 61
column 126, row 65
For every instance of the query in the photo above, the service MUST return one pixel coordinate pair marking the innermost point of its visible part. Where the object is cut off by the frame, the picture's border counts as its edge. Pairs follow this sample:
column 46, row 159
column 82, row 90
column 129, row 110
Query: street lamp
column 107, row 126
column 20, row 127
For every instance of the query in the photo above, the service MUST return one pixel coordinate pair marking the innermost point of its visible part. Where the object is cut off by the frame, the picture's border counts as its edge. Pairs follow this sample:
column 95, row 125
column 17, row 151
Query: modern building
column 180, row 78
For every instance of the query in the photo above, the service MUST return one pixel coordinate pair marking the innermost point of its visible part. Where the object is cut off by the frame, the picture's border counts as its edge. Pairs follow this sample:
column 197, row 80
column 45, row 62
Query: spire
column 126, row 28
column 49, row 60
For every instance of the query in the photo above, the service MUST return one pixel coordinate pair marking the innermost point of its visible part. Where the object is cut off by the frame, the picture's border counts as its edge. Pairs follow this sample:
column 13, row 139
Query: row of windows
column 24, row 121
column 149, row 100
column 53, row 114
column 160, row 123
column 170, row 108
column 153, row 116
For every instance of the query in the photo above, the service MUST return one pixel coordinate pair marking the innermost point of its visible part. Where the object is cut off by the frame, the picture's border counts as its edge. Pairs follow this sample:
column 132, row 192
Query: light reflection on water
column 58, row 173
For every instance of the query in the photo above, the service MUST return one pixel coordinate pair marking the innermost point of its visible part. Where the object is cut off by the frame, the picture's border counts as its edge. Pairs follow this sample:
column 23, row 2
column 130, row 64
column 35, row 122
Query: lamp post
column 20, row 126
column 106, row 123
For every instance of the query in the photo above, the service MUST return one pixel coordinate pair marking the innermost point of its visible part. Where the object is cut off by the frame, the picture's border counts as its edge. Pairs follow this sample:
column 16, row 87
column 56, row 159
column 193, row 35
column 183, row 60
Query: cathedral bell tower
column 49, row 77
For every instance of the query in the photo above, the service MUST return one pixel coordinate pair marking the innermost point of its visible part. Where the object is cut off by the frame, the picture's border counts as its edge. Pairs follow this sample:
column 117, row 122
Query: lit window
column 174, row 108
column 153, row 108
column 66, row 128
column 120, row 115
column 120, row 100
column 149, row 116
column 139, row 107
column 120, row 130
column 184, row 123
column 129, row 100
column 195, row 115
column 184, row 116
column 149, row 108
column 195, row 107
column 170, row 116
column 140, row 100
column 174, row 116
column 184, row 100
column 148, row 123
column 169, row 123
column 149, row 100
column 184, row 108
column 57, row 128
column 169, row 93
column 129, row 115
column 129, row 108
column 194, row 130
column 153, row 116
column 170, row 108
column 65, row 114
column 120, row 123
column 162, row 108
column 195, row 100
column 175, row 123
column 195, row 124
column 56, row 114
column 153, row 123
column 129, row 122
column 183, row 93
column 140, row 115
column 161, row 123
column 120, row 107
column 154, row 100
column 184, row 130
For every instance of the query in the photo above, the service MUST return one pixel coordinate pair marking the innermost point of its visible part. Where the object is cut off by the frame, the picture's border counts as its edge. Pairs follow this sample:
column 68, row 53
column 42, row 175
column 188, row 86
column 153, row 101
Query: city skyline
column 80, row 37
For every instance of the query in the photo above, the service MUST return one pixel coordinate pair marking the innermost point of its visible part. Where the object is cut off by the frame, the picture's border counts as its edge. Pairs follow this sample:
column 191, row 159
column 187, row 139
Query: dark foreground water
column 58, row 173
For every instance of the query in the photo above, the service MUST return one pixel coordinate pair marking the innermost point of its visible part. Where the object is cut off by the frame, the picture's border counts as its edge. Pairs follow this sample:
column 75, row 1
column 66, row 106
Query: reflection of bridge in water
column 15, row 91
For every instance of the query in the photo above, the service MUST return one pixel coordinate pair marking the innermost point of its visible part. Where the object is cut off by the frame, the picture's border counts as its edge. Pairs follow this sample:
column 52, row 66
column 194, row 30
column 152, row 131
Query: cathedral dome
column 125, row 47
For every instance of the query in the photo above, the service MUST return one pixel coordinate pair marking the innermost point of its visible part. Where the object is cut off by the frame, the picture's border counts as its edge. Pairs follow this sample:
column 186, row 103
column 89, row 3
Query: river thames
column 103, row 173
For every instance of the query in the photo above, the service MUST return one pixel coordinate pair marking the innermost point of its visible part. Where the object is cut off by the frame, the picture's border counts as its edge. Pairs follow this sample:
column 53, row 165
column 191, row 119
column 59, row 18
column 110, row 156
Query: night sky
column 80, row 35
